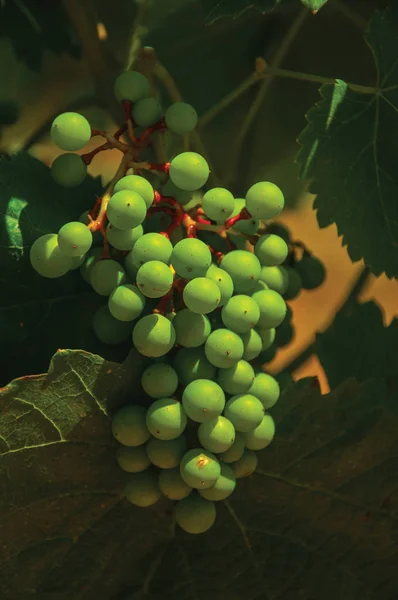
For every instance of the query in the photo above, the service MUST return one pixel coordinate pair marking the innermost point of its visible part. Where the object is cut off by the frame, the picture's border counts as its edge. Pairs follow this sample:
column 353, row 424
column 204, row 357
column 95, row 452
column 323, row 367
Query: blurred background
column 47, row 68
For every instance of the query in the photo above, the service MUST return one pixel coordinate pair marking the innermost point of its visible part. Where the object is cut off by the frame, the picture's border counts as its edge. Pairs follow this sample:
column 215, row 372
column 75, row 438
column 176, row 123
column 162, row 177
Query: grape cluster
column 200, row 316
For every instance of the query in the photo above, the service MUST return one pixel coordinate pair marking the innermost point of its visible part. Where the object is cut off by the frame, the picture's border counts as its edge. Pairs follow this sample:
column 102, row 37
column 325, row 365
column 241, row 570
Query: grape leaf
column 38, row 315
column 214, row 9
column 358, row 345
column 349, row 149
column 314, row 5
column 318, row 519
column 33, row 28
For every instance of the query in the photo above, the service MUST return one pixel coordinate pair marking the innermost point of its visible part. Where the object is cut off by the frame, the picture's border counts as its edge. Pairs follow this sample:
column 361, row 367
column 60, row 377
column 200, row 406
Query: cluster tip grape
column 205, row 318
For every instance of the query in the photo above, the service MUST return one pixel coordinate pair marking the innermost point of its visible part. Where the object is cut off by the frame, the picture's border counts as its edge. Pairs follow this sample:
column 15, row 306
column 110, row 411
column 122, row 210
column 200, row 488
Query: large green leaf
column 318, row 520
column 350, row 150
column 214, row 9
column 37, row 315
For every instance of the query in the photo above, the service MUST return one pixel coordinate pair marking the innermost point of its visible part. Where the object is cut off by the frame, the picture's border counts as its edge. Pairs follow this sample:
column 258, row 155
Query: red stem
column 242, row 216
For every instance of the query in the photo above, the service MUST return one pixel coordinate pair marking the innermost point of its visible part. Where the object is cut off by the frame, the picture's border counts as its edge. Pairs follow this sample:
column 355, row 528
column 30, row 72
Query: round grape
column 166, row 419
column 276, row 278
column 199, row 468
column 271, row 250
column 311, row 271
column 47, row 259
column 91, row 258
column 240, row 314
column 136, row 184
column 132, row 86
column 201, row 295
column 142, row 489
column 244, row 269
column 191, row 258
column 151, row 246
column 195, row 514
column 126, row 209
column 147, row 112
column 281, row 230
column 203, row 400
column 108, row 329
column 166, row 454
column 69, row 170
column 237, row 379
column 70, row 131
column 192, row 329
column 264, row 200
column 159, row 380
column 106, row 275
column 123, row 239
column 267, row 337
column 223, row 487
column 154, row 279
column 224, row 282
column 126, row 302
column 154, row 336
column 192, row 364
column 74, row 239
column 189, row 171
column 235, row 452
column 272, row 308
column 246, row 226
column 223, row 348
column 172, row 484
column 244, row 411
column 182, row 196
column 266, row 389
column 132, row 459
column 216, row 435
column 260, row 437
column 252, row 344
column 246, row 465
column 181, row 118
column 129, row 425
column 218, row 204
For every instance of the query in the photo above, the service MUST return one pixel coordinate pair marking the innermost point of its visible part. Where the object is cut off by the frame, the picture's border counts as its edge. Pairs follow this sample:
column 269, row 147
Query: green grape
column 108, row 329
column 123, row 239
column 281, row 230
column 47, row 259
column 247, row 226
column 189, row 171
column 191, row 258
column 126, row 209
column 132, row 459
column 223, row 487
column 244, row 269
column 235, row 451
column 92, row 257
column 259, row 286
column 106, row 275
column 295, row 284
column 181, row 118
column 223, row 348
column 132, row 86
column 261, row 436
column 142, row 489
column 74, row 239
column 264, row 200
column 272, row 308
column 159, row 380
column 70, row 131
column 76, row 262
column 154, row 279
column 276, row 278
column 172, row 484
column 126, row 302
column 216, row 435
column 240, row 314
column 199, row 468
column 252, row 344
column 191, row 364
column 192, row 329
column 201, row 295
column 195, row 514
column 267, row 337
column 203, row 400
column 136, row 184
column 166, row 454
column 271, row 250
column 284, row 333
column 154, row 336
column 129, row 425
column 244, row 411
column 224, row 282
column 69, row 170
column 218, row 204
column 311, row 271
column 166, row 418
column 237, row 379
column 246, row 465
column 266, row 389
column 182, row 196
column 151, row 246
column 147, row 112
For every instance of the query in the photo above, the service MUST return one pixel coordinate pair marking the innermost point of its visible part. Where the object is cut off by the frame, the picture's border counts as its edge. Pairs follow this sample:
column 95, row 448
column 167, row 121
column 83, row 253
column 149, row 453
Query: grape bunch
column 201, row 317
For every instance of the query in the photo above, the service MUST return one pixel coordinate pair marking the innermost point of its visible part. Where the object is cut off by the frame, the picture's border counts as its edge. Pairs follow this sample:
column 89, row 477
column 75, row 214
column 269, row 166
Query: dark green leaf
column 9, row 112
column 214, row 9
column 350, row 150
column 318, row 519
column 358, row 345
column 33, row 27
column 314, row 5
